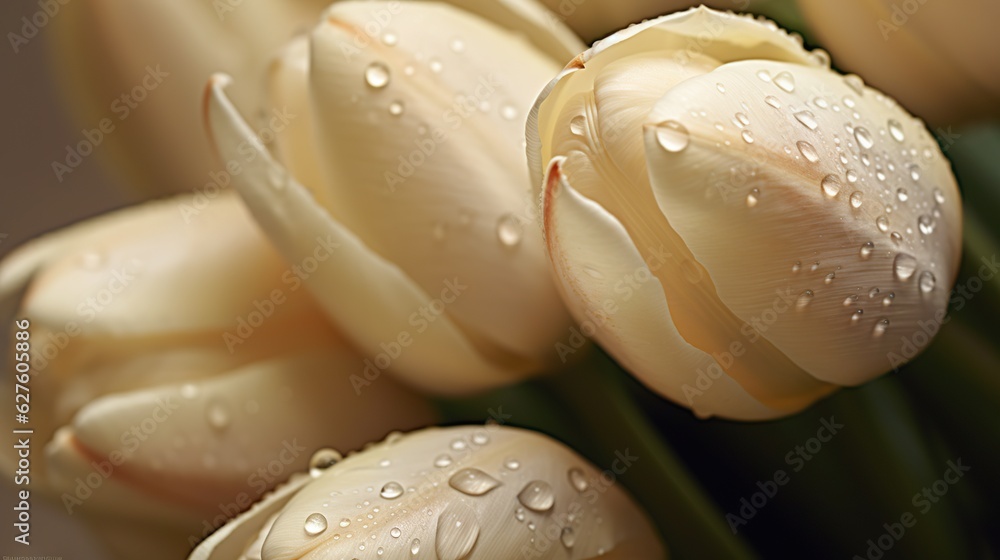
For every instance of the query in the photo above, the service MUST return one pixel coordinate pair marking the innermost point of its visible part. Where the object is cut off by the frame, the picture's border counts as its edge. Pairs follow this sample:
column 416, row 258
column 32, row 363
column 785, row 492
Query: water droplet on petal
column 856, row 199
column 867, row 248
column 323, row 459
column 377, row 75
column 568, row 537
column 764, row 75
column 721, row 88
column 537, row 496
column 743, row 119
column 864, row 137
column 882, row 223
column 457, row 532
column 873, row 292
column 442, row 461
column 808, row 119
column 927, row 281
column 578, row 480
column 808, row 151
column 831, row 185
column 852, row 176
column 880, row 327
column 829, row 278
column 926, row 224
column 896, row 130
column 938, row 196
column 509, row 230
column 855, row 82
column 896, row 237
column 785, row 81
column 804, row 299
column 772, row 101
column 345, row 522
column 508, row 112
column 395, row 532
column 672, row 136
column 391, row 490
column 850, row 300
column 457, row 45
column 512, row 464
column 415, row 547
column 473, row 482
column 458, row 444
column 396, row 108
column 753, row 197
column 887, row 300
column 904, row 266
column 315, row 524
column 747, row 136
column 435, row 65
column 797, row 266
column 390, row 39
column 856, row 316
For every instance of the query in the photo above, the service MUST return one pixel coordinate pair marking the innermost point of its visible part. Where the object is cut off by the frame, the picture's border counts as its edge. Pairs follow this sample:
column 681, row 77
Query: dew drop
column 772, row 101
column 673, row 136
column 926, row 224
column 578, row 480
column 804, row 299
column 743, row 119
column 473, row 482
column 785, row 81
column 509, row 230
column 519, row 514
column 512, row 464
column 855, row 82
column 882, row 223
column 396, row 108
column 753, row 197
column 415, row 547
column 395, row 532
column 864, row 137
column 721, row 88
column 914, row 172
column 537, row 496
column 829, row 278
column 747, row 136
column 904, row 266
column 821, row 103
column 315, row 524
column 345, row 522
column 938, row 196
column 852, row 176
column 508, row 112
column 391, row 490
column 390, row 39
column 457, row 532
column 873, row 292
column 807, row 119
column 457, row 45
column 323, row 459
column 797, row 266
column 880, row 327
column 377, row 75
column 218, row 415
column 458, row 444
column 850, row 300
column 856, row 199
column 567, row 537
column 435, row 65
column 808, row 151
column 764, row 75
column 896, row 131
column 830, row 185
column 442, row 461
column 856, row 316
column 927, row 281
column 867, row 248
column 887, row 300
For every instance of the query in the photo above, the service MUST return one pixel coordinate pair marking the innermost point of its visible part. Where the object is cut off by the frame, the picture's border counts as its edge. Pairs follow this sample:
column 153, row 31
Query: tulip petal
column 596, row 262
column 196, row 446
column 543, row 28
column 527, row 496
column 383, row 300
column 771, row 205
column 445, row 193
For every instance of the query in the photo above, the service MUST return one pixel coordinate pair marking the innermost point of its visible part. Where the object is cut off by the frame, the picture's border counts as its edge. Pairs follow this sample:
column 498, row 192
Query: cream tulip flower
column 472, row 493
column 409, row 155
column 141, row 64
column 747, row 229
column 157, row 424
column 941, row 60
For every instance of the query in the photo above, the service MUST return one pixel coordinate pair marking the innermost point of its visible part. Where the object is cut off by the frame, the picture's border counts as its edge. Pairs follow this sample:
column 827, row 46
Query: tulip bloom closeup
column 941, row 60
column 172, row 359
column 749, row 229
column 472, row 493
column 408, row 156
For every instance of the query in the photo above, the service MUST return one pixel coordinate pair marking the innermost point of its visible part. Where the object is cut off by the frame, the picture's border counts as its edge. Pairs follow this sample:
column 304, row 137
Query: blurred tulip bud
column 179, row 371
column 139, row 66
column 472, row 493
column 754, row 229
column 594, row 19
column 410, row 143
column 941, row 60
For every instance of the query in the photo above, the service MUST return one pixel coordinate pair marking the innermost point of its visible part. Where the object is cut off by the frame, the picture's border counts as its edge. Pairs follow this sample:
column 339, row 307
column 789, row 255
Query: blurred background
column 900, row 432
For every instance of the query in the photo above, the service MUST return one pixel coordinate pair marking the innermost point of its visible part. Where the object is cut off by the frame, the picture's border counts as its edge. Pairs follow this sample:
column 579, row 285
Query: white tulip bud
column 755, row 229
column 469, row 493
column 171, row 359
column 409, row 140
